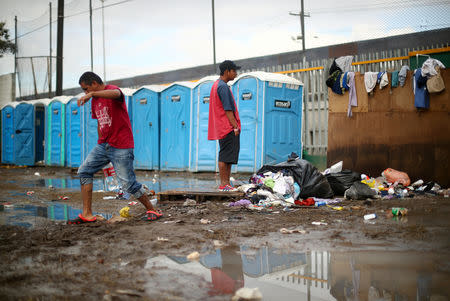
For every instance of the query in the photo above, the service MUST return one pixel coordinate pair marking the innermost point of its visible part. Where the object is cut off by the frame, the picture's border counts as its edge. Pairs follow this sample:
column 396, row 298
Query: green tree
column 5, row 44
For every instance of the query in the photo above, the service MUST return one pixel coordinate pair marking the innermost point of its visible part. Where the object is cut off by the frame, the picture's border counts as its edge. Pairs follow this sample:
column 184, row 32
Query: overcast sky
column 148, row 36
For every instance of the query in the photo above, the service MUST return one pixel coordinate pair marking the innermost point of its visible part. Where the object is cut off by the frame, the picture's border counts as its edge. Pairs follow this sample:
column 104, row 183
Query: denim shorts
column 121, row 159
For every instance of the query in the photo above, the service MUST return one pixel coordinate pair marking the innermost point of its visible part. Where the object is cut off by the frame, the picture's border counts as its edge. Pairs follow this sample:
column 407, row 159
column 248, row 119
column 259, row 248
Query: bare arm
column 230, row 116
column 110, row 94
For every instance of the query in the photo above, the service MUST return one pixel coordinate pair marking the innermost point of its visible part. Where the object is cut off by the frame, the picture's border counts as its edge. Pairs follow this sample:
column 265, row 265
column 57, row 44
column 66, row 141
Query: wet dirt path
column 386, row 258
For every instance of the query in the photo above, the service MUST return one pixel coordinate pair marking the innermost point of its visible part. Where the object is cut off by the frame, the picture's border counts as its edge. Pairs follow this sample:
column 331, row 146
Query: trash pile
column 297, row 183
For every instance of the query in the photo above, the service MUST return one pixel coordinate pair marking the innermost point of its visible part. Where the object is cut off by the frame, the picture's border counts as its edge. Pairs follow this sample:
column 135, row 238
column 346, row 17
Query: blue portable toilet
column 55, row 131
column 90, row 133
column 204, row 153
column 128, row 94
column 29, row 129
column 270, row 109
column 8, row 133
column 175, row 133
column 146, row 126
column 74, row 133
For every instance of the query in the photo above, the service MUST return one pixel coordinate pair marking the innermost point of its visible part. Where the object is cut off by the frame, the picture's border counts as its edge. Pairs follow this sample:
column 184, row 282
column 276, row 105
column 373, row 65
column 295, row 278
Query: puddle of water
column 30, row 215
column 161, row 183
column 312, row 275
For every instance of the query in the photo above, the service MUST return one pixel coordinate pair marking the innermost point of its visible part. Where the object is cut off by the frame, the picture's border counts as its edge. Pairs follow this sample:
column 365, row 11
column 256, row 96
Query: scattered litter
column 109, row 197
column 162, row 239
column 64, row 198
column 37, row 174
column 132, row 203
column 397, row 211
column 30, row 192
column 205, row 221
column 193, row 256
column 393, row 176
column 319, row 223
column 370, row 216
column 116, row 218
column 338, row 208
column 290, row 231
column 218, row 243
column 125, row 212
column 189, row 202
column 8, row 205
column 240, row 203
column 249, row 294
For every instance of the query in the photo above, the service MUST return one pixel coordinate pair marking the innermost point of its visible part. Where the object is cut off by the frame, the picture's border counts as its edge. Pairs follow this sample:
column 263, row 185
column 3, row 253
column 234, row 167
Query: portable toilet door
column 8, row 133
column 270, row 109
column 24, row 142
column 90, row 129
column 39, row 128
column 55, row 136
column 247, row 92
column 175, row 126
column 282, row 119
column 74, row 151
column 146, row 125
column 204, row 153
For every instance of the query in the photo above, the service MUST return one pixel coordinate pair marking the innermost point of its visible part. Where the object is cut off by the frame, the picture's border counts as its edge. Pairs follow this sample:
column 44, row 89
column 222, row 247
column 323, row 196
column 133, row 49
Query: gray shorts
column 229, row 148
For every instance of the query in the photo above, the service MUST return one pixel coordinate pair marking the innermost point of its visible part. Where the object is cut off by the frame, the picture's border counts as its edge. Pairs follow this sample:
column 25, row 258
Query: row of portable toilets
column 170, row 125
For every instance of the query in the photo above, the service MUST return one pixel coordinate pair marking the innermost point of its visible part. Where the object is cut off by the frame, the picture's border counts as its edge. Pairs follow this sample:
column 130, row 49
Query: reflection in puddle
column 30, row 215
column 158, row 183
column 314, row 275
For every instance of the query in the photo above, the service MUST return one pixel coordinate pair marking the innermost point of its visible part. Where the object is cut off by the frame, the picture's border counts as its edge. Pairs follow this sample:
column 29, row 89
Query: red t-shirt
column 113, row 120
column 218, row 124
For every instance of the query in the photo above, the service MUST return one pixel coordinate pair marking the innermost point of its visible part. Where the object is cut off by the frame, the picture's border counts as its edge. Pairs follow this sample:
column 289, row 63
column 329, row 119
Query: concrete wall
column 386, row 130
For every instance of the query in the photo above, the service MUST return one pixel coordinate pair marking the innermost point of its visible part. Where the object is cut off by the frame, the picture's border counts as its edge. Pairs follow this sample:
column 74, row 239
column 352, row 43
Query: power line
column 69, row 16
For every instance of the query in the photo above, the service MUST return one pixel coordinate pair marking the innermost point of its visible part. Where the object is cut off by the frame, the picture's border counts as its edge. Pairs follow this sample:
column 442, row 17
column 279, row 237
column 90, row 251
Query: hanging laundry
column 370, row 80
column 429, row 67
column 344, row 62
column 421, row 95
column 382, row 79
column 402, row 75
column 334, row 81
column 394, row 80
column 352, row 100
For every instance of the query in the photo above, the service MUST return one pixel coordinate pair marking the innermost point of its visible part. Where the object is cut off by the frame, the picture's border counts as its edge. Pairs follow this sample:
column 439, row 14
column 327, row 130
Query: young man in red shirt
column 115, row 145
column 224, row 123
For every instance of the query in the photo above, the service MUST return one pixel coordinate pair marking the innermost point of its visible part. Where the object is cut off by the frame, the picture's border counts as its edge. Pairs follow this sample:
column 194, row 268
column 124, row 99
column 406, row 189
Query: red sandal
column 81, row 220
column 152, row 215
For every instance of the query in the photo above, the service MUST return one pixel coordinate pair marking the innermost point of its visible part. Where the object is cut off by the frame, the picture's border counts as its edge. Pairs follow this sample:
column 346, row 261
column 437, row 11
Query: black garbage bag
column 312, row 183
column 359, row 191
column 341, row 181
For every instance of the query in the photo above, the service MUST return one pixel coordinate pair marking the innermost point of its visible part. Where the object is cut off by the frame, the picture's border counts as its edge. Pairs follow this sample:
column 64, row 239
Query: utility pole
column 59, row 48
column 302, row 22
column 15, row 57
column 50, row 55
column 214, row 36
column 103, row 33
column 90, row 22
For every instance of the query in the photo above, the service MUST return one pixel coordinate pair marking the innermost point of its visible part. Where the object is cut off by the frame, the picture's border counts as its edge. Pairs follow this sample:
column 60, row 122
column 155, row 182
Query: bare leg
column 224, row 173
column 86, row 195
column 146, row 202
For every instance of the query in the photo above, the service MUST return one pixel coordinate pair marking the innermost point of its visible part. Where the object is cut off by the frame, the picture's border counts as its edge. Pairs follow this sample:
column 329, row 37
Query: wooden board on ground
column 170, row 195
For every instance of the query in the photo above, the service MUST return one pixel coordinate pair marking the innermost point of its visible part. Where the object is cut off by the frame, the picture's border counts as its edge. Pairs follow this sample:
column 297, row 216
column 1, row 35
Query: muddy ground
column 107, row 261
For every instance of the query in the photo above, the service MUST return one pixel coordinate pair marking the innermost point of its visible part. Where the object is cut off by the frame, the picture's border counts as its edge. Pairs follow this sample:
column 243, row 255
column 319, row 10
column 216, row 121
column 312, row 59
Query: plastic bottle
column 320, row 203
column 370, row 216
column 110, row 180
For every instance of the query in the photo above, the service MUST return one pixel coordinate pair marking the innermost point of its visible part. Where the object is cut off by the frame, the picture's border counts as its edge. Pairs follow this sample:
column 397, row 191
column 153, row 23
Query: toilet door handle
column 18, row 131
column 150, row 124
column 182, row 123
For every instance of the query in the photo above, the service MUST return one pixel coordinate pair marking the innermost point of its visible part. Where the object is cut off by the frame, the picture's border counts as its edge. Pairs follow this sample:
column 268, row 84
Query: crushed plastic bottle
column 110, row 180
